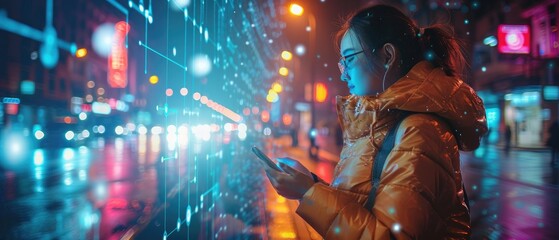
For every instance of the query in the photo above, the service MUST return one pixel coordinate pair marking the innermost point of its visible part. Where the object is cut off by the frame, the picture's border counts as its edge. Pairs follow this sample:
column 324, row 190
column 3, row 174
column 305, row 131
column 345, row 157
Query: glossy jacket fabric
column 420, row 194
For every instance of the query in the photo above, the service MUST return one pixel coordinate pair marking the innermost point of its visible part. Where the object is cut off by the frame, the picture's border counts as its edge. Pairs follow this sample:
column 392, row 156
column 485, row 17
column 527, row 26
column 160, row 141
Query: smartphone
column 266, row 159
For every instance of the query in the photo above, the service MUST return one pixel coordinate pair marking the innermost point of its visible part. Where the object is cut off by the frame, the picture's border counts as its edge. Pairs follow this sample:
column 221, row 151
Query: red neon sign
column 513, row 39
column 118, row 59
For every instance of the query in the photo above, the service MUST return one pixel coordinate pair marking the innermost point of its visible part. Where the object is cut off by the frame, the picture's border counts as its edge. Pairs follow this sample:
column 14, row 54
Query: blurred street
column 109, row 189
column 135, row 119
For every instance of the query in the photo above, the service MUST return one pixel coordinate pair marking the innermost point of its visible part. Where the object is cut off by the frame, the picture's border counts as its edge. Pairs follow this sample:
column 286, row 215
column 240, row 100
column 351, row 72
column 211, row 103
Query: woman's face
column 362, row 75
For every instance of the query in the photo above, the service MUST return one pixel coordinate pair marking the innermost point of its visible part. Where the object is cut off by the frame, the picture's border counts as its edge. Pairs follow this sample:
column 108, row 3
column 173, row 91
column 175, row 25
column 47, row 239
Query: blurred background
column 134, row 119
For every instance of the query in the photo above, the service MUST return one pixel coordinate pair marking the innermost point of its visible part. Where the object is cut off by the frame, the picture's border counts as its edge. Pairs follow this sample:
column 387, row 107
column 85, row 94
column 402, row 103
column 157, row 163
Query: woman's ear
column 390, row 54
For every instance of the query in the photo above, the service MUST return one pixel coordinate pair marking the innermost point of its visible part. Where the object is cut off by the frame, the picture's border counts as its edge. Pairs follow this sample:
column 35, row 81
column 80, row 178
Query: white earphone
column 386, row 66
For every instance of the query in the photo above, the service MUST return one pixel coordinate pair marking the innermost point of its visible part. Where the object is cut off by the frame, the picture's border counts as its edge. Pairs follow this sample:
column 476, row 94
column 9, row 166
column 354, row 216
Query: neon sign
column 513, row 39
column 118, row 59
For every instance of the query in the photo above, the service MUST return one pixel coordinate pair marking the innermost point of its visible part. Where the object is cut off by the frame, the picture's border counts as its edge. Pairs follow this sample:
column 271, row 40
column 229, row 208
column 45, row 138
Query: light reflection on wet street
column 96, row 191
column 141, row 187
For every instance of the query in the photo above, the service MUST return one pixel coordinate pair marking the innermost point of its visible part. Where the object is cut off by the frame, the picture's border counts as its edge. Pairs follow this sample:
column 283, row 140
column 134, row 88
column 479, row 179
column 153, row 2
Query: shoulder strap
column 466, row 200
column 380, row 159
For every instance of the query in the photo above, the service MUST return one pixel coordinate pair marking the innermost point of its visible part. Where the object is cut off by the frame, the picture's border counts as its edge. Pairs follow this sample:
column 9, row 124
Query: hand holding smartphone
column 266, row 159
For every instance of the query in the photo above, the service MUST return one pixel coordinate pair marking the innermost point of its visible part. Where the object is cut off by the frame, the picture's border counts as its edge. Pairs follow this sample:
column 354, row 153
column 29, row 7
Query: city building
column 44, row 81
column 514, row 68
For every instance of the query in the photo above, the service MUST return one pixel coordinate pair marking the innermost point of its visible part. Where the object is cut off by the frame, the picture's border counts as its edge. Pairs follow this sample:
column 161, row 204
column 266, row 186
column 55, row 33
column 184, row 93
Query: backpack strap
column 380, row 159
column 466, row 200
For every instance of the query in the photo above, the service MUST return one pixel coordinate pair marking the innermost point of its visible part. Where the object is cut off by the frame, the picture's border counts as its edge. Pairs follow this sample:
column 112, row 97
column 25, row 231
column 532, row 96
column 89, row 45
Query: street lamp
column 298, row 10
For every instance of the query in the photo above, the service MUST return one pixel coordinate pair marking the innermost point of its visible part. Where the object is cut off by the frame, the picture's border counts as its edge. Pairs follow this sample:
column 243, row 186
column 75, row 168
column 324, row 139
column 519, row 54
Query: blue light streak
column 163, row 56
column 189, row 213
column 118, row 6
column 23, row 30
column 163, row 159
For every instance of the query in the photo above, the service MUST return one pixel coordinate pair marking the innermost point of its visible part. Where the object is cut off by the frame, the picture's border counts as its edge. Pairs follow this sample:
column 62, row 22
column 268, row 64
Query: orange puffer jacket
column 420, row 194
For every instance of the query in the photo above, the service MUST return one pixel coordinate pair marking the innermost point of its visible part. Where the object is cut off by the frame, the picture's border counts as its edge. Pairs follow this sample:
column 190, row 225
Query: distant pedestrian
column 294, row 137
column 508, row 137
column 553, row 142
column 313, row 148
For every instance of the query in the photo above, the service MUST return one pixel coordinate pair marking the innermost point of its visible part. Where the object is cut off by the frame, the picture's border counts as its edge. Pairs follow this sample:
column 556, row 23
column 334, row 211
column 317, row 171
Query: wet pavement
column 513, row 195
column 87, row 192
column 143, row 188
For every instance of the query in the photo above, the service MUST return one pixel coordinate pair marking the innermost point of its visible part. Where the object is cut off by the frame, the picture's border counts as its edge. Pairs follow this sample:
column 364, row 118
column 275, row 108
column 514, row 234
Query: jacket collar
column 424, row 89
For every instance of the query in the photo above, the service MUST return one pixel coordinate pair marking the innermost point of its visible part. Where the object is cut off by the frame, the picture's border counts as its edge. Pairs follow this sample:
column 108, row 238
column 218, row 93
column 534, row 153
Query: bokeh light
column 300, row 49
column 180, row 4
column 296, row 9
column 286, row 55
column 154, row 79
column 283, row 71
column 201, row 65
column 196, row 96
column 184, row 91
column 102, row 39
column 82, row 52
column 277, row 87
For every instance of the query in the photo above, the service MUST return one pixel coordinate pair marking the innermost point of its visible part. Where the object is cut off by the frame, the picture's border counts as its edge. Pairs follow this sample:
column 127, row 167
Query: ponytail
column 442, row 49
column 380, row 24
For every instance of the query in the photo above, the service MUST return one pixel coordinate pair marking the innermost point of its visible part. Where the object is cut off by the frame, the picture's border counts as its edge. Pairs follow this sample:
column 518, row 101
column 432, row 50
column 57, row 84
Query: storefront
column 493, row 114
column 523, row 113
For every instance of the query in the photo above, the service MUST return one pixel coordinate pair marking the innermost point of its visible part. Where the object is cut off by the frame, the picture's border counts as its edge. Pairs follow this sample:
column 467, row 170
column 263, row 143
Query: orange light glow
column 320, row 92
column 80, row 53
column 265, row 116
column 287, row 119
column 296, row 9
column 67, row 120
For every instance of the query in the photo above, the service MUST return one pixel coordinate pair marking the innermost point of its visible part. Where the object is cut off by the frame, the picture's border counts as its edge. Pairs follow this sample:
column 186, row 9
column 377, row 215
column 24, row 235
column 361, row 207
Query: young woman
column 395, row 70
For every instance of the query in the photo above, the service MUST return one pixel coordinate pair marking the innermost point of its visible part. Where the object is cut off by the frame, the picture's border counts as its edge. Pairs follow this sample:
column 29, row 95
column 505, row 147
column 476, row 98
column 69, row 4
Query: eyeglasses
column 342, row 64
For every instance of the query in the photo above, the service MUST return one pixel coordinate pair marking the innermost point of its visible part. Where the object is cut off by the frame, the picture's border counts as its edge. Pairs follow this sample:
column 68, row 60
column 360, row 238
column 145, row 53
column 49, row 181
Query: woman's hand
column 291, row 183
column 295, row 165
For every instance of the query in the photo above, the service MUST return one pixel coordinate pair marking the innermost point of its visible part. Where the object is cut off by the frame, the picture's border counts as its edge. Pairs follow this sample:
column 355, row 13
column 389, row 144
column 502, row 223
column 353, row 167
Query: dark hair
column 381, row 24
